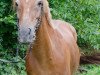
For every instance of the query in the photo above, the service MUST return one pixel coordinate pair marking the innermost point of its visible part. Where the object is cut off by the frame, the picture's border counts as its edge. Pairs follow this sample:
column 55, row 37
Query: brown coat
column 55, row 51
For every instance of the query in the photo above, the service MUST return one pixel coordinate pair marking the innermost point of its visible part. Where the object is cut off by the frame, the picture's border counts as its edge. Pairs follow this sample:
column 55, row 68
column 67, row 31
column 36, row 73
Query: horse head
column 29, row 13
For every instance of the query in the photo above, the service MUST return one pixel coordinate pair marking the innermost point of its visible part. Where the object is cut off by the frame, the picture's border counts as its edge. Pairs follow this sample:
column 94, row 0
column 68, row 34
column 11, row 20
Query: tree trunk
column 90, row 59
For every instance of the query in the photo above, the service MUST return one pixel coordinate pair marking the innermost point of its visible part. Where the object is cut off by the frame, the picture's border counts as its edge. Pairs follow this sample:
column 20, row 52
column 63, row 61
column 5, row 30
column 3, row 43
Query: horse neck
column 42, row 45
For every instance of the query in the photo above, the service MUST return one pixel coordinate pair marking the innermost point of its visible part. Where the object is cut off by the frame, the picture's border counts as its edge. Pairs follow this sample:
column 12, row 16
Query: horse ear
column 13, row 4
column 47, row 12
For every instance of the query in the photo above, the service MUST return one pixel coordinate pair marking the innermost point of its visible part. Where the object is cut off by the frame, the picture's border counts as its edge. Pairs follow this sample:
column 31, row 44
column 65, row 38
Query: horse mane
column 47, row 13
column 13, row 4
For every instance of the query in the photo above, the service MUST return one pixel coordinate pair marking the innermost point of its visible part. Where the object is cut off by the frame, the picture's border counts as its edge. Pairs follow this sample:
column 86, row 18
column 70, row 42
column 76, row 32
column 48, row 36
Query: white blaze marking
column 17, row 1
column 26, row 15
column 28, row 10
column 26, row 1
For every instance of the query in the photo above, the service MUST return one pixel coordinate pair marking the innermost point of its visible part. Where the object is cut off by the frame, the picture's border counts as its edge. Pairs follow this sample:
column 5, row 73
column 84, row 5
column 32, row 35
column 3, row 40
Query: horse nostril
column 29, row 30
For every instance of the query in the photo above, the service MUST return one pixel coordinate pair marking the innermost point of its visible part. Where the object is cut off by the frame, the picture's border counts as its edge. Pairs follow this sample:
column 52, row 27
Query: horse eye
column 16, row 4
column 40, row 3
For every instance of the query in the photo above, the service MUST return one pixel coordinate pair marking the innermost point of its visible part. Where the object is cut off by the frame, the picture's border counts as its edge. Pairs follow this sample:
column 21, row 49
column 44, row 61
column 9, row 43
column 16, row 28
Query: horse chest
column 57, row 65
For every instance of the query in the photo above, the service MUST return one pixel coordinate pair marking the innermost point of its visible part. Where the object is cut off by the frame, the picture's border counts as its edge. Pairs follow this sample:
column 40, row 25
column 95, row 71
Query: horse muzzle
column 26, row 35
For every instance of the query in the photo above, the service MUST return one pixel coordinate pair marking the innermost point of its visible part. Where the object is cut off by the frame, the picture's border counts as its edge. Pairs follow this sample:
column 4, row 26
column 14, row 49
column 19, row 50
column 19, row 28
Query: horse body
column 54, row 50
column 52, row 53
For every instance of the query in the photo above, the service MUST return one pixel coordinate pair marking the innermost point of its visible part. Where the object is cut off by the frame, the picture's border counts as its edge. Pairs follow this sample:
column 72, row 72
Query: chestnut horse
column 53, row 49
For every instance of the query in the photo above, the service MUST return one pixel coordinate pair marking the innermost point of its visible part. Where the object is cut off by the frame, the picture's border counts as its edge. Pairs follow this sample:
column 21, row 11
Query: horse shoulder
column 64, row 27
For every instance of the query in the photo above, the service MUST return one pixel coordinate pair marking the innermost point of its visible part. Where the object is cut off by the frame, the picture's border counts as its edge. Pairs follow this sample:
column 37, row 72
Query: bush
column 84, row 16
column 13, row 68
column 8, row 37
column 90, row 70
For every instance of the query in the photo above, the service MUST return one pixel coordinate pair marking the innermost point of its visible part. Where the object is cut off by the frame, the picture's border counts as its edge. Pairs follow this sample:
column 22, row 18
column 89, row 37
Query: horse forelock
column 45, row 4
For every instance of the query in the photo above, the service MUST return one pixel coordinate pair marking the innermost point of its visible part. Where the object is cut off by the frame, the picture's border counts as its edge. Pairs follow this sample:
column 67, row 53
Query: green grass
column 90, row 70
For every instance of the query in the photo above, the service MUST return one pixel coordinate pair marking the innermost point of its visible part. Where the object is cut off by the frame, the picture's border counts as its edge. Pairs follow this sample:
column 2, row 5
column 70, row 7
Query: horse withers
column 53, row 49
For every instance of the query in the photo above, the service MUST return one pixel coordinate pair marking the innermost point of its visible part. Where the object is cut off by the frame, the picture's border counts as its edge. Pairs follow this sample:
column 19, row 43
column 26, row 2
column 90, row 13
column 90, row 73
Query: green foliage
column 90, row 70
column 84, row 16
column 13, row 68
column 7, row 26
